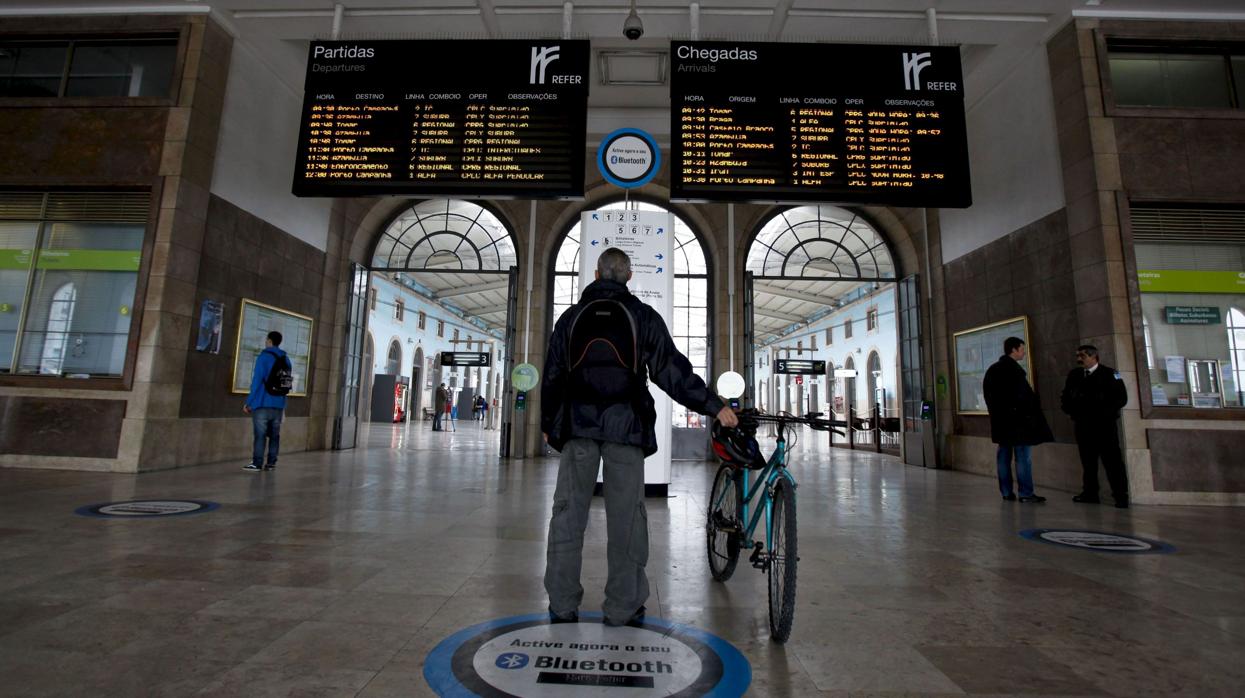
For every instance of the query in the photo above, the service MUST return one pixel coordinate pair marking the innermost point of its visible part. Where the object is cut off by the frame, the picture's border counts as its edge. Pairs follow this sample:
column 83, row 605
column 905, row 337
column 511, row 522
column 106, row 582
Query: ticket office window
column 138, row 67
column 67, row 281
column 1193, row 323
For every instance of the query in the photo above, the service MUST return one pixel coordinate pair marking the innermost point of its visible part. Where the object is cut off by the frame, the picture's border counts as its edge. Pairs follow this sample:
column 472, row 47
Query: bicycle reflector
column 736, row 447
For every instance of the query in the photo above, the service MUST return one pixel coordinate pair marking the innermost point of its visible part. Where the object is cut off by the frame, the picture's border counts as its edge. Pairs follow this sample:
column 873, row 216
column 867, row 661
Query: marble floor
column 338, row 573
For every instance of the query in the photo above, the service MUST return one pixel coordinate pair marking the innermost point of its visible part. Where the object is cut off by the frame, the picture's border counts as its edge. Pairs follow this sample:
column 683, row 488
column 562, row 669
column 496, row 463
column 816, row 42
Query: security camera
column 633, row 28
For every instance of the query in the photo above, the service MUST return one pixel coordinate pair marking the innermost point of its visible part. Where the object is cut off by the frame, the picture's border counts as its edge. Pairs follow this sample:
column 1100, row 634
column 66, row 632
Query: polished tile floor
column 338, row 573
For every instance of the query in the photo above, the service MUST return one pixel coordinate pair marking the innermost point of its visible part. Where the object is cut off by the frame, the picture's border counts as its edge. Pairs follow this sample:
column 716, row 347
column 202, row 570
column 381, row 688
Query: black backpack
column 281, row 377
column 603, row 353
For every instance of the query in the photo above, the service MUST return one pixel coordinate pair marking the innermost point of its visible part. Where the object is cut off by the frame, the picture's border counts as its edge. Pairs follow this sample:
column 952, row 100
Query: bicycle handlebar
column 813, row 419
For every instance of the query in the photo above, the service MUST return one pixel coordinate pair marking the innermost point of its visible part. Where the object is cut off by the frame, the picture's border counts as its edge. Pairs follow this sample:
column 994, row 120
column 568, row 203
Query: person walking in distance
column 1093, row 396
column 1016, row 420
column 438, row 406
column 271, row 381
column 596, row 406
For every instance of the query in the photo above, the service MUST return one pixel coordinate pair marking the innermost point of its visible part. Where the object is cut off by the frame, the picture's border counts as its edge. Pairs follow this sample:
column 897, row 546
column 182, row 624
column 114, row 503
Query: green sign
column 1189, row 281
column 15, row 259
column 90, row 260
column 524, row 377
column 1192, row 315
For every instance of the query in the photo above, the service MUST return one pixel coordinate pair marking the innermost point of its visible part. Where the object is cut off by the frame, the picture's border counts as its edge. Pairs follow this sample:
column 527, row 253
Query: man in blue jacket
column 266, row 406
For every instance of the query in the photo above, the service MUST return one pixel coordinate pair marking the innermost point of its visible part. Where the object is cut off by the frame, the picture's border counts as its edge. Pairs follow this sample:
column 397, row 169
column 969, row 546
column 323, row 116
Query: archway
column 443, row 271
column 692, row 309
column 822, row 280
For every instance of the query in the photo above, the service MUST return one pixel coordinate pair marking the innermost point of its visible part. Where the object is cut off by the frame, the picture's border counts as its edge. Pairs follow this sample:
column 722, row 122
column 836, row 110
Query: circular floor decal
column 1097, row 540
column 147, row 508
column 526, row 656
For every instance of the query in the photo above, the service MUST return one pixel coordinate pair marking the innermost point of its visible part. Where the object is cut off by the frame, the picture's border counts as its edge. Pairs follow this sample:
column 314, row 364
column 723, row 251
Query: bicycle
column 729, row 527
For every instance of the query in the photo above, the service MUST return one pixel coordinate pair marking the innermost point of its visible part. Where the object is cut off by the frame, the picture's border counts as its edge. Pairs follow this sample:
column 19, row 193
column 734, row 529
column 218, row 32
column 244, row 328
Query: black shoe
column 1121, row 504
column 555, row 618
column 252, row 467
column 1086, row 499
column 637, row 619
column 1009, row 498
column 270, row 466
column 1033, row 499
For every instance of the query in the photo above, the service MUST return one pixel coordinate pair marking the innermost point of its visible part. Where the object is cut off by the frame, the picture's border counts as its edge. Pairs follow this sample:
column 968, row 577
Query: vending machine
column 401, row 393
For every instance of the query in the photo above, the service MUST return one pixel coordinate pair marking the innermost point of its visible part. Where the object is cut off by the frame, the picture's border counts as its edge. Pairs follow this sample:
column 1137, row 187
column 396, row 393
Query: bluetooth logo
column 512, row 660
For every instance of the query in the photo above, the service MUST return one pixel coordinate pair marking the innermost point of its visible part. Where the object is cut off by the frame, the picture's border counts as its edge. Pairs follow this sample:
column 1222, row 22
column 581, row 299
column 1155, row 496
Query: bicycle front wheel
column 782, row 562
column 724, row 527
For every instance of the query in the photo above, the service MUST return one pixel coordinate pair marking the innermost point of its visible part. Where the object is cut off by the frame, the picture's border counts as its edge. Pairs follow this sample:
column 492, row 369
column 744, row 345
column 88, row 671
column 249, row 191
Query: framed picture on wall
column 255, row 321
column 976, row 350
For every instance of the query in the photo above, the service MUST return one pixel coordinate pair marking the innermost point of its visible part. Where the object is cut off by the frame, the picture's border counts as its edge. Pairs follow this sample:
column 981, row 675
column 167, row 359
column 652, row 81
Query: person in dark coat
column 439, row 402
column 1016, row 420
column 1093, row 396
column 601, row 415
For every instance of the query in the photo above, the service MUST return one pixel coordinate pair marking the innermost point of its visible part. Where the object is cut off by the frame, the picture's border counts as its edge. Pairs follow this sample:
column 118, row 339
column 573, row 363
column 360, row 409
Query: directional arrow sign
column 661, row 256
column 594, row 243
column 659, row 270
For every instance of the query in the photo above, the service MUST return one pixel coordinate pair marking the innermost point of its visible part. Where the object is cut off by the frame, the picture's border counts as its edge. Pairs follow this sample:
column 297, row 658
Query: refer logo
column 541, row 58
column 913, row 64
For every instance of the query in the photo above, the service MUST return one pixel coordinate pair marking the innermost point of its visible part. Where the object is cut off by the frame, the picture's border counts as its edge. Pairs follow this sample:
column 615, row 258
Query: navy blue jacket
column 563, row 417
column 259, row 396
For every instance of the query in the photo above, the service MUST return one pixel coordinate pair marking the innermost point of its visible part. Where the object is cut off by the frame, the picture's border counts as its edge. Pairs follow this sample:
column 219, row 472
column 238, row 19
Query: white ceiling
column 995, row 35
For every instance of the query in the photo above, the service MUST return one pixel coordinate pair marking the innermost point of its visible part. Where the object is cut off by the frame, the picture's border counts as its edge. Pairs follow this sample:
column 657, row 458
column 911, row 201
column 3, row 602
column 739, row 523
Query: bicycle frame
column 761, row 488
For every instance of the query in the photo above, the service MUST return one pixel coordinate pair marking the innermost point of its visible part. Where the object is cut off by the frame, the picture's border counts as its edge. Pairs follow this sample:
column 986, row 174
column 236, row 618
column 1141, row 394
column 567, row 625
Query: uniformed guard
column 1093, row 396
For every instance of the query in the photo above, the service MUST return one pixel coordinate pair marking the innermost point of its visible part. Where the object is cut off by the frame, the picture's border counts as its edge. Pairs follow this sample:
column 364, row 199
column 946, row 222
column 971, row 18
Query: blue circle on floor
column 146, row 508
column 529, row 656
column 1098, row 541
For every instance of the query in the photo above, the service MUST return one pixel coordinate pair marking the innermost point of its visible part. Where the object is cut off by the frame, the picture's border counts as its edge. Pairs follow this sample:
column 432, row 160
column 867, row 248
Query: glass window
column 1170, row 80
column 17, row 244
column 847, row 329
column 1191, row 310
column 440, row 328
column 373, row 299
column 690, row 326
column 423, row 319
column 121, row 69
column 32, row 69
column 1238, row 77
column 399, row 310
column 81, row 292
column 829, row 336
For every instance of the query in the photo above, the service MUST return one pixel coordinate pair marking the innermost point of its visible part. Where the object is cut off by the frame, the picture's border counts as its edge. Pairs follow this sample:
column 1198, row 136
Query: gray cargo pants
column 626, row 525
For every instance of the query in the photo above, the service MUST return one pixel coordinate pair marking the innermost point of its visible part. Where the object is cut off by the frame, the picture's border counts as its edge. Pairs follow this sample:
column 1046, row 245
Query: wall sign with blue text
column 1097, row 541
column 528, row 656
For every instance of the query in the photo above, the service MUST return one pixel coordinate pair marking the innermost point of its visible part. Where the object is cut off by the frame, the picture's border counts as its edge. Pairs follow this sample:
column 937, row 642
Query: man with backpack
column 270, row 383
column 595, row 405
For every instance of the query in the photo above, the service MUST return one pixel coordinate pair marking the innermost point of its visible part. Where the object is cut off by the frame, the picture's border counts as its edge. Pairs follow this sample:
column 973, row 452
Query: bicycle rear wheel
column 782, row 562
column 724, row 526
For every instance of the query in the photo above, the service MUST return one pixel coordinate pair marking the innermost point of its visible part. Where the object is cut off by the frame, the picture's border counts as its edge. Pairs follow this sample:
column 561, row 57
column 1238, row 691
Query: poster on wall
column 976, row 350
column 648, row 239
column 211, row 322
column 255, row 321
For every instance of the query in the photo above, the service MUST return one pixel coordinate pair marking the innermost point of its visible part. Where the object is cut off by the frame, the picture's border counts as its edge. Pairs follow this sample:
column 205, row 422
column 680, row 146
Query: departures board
column 468, row 118
column 851, row 123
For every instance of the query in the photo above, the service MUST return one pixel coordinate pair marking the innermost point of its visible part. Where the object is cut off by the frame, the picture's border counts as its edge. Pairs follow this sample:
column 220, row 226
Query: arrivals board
column 818, row 122
column 800, row 367
column 462, row 118
column 465, row 358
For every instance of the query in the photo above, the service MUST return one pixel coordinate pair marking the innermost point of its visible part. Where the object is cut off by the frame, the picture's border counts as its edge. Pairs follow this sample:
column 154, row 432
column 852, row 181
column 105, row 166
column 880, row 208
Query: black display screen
column 818, row 122
column 465, row 118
